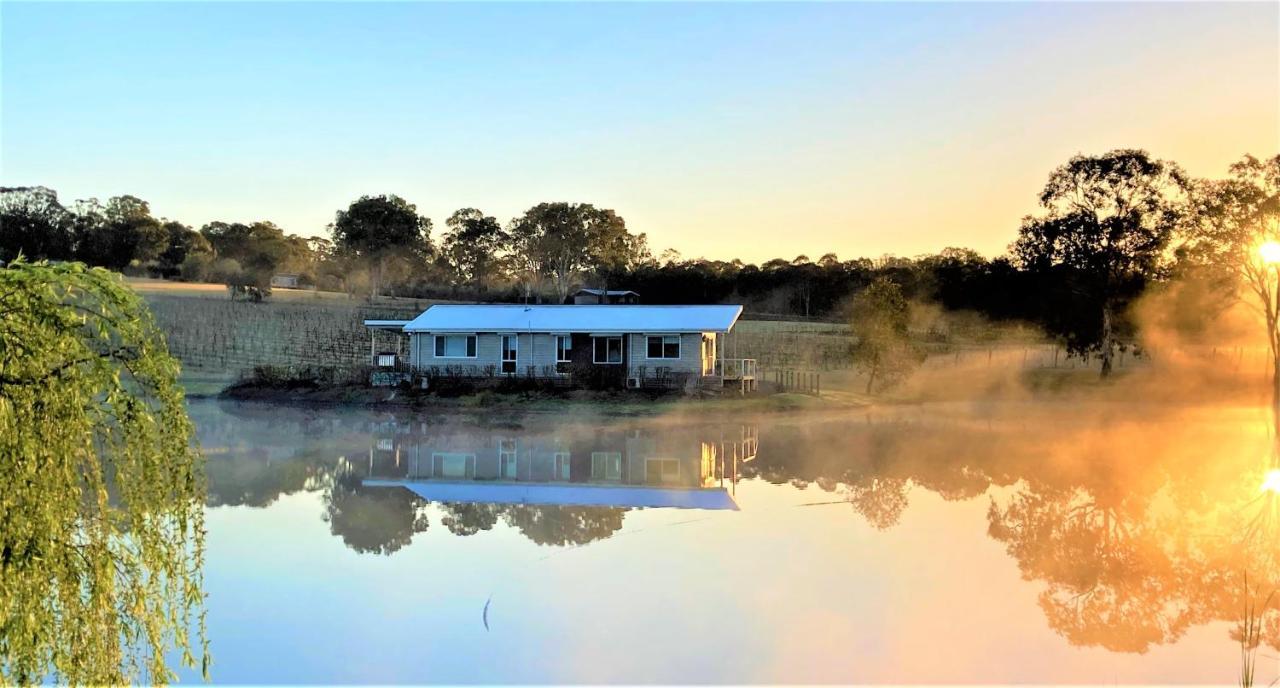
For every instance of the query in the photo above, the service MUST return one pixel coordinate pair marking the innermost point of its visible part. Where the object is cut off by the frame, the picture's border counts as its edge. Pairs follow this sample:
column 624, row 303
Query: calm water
column 1007, row 544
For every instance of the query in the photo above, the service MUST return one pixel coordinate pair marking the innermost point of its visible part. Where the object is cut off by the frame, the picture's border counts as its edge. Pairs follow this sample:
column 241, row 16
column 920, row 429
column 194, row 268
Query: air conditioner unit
column 633, row 383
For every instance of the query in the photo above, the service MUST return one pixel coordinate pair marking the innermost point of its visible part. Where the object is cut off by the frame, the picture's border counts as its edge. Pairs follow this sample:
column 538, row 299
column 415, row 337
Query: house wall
column 690, row 360
column 539, row 350
column 418, row 458
column 422, row 352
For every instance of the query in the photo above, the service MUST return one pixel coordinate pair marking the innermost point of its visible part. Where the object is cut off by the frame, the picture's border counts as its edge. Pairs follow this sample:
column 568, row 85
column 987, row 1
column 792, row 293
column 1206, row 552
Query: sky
column 748, row 131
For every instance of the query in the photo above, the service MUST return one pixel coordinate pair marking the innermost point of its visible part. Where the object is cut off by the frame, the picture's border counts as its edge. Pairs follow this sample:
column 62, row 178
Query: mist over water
column 1064, row 539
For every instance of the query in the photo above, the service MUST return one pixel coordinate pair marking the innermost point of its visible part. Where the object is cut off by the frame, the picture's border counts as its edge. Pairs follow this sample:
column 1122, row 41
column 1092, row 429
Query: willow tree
column 101, row 511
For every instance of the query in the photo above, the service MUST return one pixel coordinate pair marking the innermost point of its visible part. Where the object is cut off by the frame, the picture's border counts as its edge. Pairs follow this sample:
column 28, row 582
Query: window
column 564, row 354
column 451, row 465
column 456, row 346
column 606, row 465
column 666, row 346
column 562, row 465
column 507, row 459
column 509, row 347
column 662, row 470
column 607, row 349
column 507, row 449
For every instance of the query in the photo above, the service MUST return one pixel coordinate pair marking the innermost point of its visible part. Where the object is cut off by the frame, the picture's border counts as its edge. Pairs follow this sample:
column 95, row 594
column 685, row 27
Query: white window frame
column 502, row 353
column 605, row 457
column 660, row 464
column 664, row 338
column 468, row 463
column 508, row 454
column 594, row 350
column 562, row 465
column 567, row 350
column 435, row 345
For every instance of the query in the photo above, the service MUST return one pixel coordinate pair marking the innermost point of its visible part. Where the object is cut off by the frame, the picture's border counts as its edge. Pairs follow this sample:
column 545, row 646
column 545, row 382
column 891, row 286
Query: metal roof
column 386, row 324
column 613, row 319
column 602, row 292
column 562, row 494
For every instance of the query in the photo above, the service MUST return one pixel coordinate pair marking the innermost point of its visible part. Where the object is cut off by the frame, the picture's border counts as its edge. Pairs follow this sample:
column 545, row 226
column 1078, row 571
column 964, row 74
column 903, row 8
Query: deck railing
column 736, row 368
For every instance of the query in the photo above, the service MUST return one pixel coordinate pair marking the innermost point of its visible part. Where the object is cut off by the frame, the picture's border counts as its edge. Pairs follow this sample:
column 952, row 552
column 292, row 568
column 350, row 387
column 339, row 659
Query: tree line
column 1109, row 228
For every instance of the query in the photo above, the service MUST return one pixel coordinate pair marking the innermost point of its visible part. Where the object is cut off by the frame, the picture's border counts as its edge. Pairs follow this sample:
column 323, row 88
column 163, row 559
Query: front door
column 510, row 346
column 708, row 355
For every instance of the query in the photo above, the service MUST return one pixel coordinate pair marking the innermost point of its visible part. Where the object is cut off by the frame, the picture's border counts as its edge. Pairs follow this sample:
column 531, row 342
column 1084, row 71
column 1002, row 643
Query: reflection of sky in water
column 791, row 588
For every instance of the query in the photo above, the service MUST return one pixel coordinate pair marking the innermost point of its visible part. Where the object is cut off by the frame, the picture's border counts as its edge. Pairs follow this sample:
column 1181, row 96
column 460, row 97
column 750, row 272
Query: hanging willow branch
column 101, row 511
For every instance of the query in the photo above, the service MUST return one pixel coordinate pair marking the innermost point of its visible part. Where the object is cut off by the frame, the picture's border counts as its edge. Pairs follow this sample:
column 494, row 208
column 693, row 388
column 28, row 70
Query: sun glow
column 1270, row 252
column 1271, row 483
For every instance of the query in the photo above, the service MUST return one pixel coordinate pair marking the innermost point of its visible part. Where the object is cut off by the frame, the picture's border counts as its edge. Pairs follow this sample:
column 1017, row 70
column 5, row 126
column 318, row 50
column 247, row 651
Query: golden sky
column 752, row 131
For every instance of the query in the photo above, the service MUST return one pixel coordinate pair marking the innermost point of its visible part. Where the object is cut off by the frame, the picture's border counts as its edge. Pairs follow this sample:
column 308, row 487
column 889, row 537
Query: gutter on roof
column 386, row 323
column 593, row 332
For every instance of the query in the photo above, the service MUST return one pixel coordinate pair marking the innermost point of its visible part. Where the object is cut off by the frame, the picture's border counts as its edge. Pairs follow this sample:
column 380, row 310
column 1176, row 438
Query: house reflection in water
column 647, row 466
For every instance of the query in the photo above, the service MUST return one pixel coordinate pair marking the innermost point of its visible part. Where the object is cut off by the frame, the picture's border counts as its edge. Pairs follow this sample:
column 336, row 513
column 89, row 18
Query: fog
column 1001, row 510
column 1131, row 519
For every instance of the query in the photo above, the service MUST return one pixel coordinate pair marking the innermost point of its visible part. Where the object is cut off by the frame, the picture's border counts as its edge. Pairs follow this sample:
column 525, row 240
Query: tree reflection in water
column 372, row 521
column 1138, row 529
column 255, row 460
column 469, row 519
column 564, row 525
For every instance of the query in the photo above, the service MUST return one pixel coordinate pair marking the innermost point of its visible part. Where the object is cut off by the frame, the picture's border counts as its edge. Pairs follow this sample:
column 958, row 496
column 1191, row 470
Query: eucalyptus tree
column 1107, row 223
column 376, row 229
column 565, row 241
column 118, row 233
column 472, row 246
column 249, row 254
column 1234, row 232
column 34, row 224
column 101, row 515
column 183, row 243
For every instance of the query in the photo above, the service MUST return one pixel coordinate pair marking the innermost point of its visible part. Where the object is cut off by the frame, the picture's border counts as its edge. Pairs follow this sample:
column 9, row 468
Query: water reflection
column 555, row 483
column 1135, row 528
column 1138, row 529
column 564, row 465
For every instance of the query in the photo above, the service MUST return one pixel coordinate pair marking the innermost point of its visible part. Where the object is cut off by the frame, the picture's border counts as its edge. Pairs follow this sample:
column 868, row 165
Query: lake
column 996, row 543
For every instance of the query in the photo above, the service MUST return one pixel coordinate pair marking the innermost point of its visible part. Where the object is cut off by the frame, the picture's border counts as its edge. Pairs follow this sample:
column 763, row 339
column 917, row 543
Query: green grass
column 217, row 339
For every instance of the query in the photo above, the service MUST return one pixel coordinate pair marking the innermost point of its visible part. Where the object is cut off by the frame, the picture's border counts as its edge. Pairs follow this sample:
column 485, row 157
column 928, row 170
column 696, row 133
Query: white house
column 592, row 345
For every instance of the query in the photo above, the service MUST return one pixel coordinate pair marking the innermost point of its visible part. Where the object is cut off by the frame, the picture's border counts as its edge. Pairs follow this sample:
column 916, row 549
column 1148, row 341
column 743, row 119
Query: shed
column 603, row 297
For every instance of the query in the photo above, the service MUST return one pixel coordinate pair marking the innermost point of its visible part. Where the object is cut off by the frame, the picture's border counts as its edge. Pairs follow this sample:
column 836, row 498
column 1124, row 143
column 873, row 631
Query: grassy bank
column 578, row 402
column 218, row 341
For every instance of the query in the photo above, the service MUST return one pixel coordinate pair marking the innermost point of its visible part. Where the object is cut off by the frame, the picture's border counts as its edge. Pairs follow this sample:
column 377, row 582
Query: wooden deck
column 739, row 372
